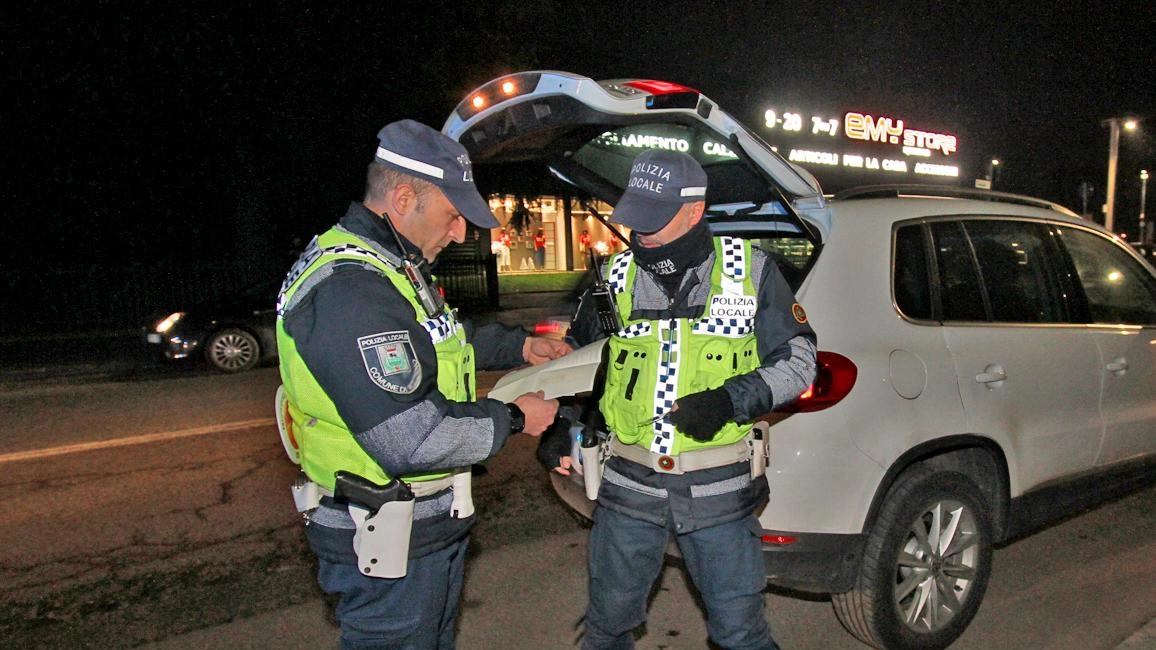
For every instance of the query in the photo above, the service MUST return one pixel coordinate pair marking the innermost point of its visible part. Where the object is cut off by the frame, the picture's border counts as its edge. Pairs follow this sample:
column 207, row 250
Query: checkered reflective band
column 734, row 258
column 637, row 329
column 358, row 251
column 729, row 327
column 666, row 389
column 304, row 261
column 313, row 252
column 734, row 271
column 440, row 328
column 617, row 276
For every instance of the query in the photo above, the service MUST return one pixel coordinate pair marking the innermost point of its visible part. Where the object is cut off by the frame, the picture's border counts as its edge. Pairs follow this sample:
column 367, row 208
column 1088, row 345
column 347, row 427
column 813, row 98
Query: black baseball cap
column 413, row 148
column 660, row 183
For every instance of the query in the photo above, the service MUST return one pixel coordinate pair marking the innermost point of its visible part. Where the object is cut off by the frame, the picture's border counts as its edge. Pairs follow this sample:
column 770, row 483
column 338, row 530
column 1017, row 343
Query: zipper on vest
column 669, row 354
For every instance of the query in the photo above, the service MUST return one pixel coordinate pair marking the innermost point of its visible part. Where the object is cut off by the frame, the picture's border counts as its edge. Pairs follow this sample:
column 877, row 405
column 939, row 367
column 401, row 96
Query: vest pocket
column 715, row 362
column 628, row 398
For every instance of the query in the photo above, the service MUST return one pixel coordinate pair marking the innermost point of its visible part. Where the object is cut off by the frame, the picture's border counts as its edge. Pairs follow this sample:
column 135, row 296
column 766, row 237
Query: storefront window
column 539, row 233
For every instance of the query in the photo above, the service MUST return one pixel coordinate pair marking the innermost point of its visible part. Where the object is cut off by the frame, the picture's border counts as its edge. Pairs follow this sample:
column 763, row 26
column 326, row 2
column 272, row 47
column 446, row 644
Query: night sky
column 152, row 130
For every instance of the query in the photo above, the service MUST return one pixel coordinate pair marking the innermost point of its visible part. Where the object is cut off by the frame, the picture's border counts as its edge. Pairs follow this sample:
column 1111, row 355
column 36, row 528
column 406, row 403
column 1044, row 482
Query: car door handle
column 993, row 374
column 1117, row 365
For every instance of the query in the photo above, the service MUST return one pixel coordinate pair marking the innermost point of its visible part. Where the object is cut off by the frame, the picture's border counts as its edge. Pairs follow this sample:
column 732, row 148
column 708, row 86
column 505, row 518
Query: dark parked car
column 233, row 334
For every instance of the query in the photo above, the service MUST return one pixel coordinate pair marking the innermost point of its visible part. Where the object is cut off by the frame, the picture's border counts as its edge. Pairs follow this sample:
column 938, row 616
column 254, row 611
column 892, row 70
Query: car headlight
column 167, row 323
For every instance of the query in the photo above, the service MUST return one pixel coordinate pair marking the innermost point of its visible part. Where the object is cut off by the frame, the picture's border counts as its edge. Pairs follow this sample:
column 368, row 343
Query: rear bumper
column 572, row 492
column 823, row 563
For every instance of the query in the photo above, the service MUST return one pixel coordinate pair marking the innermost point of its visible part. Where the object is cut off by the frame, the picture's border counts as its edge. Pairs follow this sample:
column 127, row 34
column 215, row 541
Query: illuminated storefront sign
column 647, row 141
column 860, row 141
column 887, row 130
column 855, row 142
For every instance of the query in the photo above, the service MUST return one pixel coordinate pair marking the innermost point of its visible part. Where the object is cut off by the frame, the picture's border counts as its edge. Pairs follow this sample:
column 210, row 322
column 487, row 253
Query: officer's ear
column 402, row 200
column 696, row 211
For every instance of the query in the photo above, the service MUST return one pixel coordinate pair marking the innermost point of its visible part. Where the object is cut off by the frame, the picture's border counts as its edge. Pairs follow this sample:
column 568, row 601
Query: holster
column 759, row 440
column 306, row 493
column 593, row 456
column 383, row 515
column 463, row 504
column 381, row 540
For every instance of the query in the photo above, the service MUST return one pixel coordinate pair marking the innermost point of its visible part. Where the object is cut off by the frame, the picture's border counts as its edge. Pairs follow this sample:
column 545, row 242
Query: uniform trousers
column 416, row 612
column 725, row 563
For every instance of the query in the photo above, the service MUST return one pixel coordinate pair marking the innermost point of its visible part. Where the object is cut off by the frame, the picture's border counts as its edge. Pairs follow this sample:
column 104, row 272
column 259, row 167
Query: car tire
column 232, row 350
column 898, row 600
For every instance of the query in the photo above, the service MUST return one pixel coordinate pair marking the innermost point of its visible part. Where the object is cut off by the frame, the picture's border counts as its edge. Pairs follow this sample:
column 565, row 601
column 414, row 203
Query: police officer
column 711, row 337
column 379, row 379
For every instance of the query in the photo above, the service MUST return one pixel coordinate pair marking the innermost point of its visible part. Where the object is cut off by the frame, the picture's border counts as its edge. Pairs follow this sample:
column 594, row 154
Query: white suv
column 988, row 361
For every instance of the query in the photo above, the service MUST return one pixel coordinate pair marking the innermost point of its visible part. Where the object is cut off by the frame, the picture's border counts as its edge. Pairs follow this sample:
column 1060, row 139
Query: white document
column 570, row 375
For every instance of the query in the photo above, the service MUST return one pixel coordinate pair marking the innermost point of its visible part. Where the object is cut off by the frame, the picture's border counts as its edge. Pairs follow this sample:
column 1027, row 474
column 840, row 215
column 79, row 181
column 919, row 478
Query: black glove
column 554, row 443
column 701, row 415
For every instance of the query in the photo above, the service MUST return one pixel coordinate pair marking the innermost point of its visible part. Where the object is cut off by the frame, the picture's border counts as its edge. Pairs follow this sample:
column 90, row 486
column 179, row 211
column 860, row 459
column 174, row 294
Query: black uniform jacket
column 408, row 427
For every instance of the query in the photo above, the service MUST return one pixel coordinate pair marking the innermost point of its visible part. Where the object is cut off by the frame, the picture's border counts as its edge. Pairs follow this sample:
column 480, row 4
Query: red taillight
column 658, row 87
column 834, row 380
column 779, row 540
column 665, row 95
column 547, row 327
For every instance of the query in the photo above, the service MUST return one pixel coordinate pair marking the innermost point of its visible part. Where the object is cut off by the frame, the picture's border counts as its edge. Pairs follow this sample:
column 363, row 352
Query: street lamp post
column 1113, row 124
column 991, row 171
column 1085, row 188
column 1145, row 240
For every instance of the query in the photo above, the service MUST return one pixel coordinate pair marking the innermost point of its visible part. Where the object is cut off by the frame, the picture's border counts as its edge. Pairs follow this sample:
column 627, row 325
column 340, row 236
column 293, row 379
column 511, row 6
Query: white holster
column 759, row 440
column 306, row 493
column 592, row 459
column 463, row 505
column 381, row 542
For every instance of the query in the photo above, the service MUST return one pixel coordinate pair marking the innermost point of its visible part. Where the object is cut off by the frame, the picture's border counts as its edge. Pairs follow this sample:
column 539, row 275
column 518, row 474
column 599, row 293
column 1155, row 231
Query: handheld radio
column 603, row 297
column 428, row 292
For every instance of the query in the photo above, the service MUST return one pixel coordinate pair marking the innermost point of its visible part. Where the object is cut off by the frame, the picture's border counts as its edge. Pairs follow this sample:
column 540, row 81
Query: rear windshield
column 608, row 156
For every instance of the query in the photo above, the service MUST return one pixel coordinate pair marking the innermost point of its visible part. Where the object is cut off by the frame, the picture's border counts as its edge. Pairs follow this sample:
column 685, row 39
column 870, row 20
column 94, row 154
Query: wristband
column 517, row 418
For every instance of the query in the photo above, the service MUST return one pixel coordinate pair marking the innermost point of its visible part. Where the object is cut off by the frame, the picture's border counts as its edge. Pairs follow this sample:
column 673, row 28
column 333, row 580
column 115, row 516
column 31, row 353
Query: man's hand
column 701, row 415
column 539, row 349
column 554, row 447
column 539, row 412
column 565, row 464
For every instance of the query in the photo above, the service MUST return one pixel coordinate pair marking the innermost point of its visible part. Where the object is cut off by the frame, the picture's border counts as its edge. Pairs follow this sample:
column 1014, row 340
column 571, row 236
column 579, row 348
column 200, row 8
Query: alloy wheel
column 937, row 566
column 232, row 351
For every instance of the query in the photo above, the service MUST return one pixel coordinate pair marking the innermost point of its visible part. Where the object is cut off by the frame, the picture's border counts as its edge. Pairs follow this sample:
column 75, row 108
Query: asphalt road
column 1085, row 584
column 150, row 506
column 144, row 509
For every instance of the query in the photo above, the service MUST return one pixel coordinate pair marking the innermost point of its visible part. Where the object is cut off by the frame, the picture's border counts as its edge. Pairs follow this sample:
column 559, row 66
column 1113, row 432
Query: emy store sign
column 882, row 145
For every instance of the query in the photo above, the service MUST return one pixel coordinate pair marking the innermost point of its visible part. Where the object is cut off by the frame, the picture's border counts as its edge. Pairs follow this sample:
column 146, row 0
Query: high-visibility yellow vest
column 652, row 363
column 325, row 442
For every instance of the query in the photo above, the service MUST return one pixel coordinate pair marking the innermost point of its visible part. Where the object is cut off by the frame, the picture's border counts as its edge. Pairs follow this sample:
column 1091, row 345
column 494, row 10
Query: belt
column 419, row 488
column 425, row 488
column 687, row 461
column 307, row 494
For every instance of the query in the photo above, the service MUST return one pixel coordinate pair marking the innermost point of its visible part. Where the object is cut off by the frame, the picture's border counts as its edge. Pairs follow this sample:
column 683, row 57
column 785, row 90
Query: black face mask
column 676, row 257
